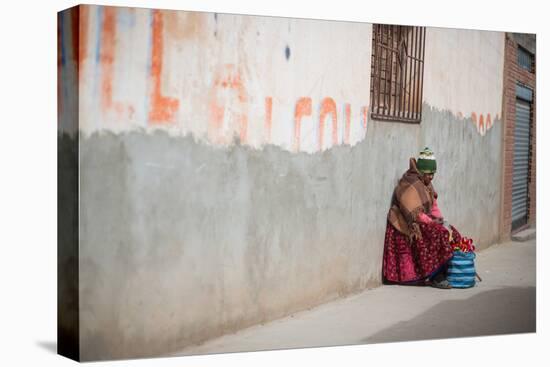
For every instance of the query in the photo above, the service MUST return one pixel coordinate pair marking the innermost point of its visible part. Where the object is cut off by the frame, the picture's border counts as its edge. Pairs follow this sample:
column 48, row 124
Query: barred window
column 525, row 59
column 397, row 71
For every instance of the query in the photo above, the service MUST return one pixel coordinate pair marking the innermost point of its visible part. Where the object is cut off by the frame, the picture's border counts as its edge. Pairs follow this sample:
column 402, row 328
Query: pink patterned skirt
column 406, row 262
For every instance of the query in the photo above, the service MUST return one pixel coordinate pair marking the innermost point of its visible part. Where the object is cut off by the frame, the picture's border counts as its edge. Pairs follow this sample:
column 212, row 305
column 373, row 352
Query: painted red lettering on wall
column 483, row 122
column 163, row 108
column 215, row 122
column 268, row 121
column 481, row 125
column 107, row 58
column 74, row 33
column 303, row 108
column 364, row 116
column 347, row 117
column 227, row 83
column 328, row 107
column 83, row 37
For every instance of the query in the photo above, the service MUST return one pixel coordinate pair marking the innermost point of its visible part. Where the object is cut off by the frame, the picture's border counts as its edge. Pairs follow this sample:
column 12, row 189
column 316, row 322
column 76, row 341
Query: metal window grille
column 525, row 59
column 397, row 72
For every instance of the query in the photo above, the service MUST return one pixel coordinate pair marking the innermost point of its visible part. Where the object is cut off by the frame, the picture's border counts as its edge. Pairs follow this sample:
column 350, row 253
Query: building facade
column 519, row 156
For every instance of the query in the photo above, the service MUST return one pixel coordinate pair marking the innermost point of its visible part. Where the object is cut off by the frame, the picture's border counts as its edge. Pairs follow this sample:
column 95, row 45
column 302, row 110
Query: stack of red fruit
column 465, row 245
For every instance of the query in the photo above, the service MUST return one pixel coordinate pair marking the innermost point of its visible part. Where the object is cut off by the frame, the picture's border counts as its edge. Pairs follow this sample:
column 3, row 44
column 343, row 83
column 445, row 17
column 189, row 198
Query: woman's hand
column 438, row 220
column 441, row 222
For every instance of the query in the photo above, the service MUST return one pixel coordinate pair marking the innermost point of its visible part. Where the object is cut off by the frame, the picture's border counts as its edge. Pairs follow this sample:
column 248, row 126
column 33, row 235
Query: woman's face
column 427, row 178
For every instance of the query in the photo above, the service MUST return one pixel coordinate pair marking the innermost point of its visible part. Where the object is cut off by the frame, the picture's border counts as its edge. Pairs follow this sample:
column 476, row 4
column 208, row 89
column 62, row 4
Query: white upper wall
column 225, row 75
column 265, row 80
column 463, row 73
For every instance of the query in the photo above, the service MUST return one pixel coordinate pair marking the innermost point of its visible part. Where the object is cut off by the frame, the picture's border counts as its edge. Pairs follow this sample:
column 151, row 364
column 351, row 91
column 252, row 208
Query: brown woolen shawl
column 410, row 198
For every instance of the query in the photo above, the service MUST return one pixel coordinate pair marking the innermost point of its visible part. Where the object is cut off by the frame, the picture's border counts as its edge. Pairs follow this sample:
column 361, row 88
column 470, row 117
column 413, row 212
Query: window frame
column 529, row 55
column 398, row 52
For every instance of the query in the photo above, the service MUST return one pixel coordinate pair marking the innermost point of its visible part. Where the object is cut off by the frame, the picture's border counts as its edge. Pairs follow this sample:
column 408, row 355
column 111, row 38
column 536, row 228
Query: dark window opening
column 526, row 59
column 397, row 72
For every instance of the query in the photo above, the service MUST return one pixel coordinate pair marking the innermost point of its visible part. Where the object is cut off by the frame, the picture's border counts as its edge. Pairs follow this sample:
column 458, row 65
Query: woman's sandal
column 441, row 284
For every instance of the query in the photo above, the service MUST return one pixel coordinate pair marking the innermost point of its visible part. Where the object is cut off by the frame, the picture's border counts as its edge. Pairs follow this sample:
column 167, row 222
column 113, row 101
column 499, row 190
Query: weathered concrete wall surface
column 461, row 122
column 229, row 174
column 469, row 173
column 181, row 241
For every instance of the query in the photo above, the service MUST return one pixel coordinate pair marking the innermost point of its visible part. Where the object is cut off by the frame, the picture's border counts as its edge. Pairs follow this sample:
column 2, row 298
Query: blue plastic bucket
column 462, row 271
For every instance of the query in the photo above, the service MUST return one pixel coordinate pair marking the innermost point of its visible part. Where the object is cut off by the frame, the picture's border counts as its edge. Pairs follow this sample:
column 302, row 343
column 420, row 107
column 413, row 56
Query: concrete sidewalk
column 503, row 303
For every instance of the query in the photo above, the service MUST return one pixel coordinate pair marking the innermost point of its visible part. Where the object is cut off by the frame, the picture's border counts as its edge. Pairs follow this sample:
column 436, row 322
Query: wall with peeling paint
column 223, row 77
column 230, row 174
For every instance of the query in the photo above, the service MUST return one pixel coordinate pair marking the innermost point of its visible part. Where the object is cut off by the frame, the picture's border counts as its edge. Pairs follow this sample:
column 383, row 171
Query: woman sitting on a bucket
column 417, row 246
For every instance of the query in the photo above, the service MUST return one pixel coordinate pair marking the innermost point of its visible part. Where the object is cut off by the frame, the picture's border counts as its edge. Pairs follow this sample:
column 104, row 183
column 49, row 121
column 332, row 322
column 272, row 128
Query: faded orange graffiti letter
column 347, row 114
column 364, row 114
column 107, row 55
column 481, row 126
column 303, row 108
column 229, row 79
column 83, row 37
column 163, row 108
column 328, row 107
column 268, row 122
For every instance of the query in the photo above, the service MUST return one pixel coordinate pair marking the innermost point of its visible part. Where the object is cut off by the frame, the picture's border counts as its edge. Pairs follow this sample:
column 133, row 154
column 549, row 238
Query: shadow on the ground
column 501, row 311
column 50, row 346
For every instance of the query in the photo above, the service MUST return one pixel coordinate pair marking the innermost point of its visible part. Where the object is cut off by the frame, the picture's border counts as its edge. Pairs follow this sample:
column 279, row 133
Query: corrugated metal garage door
column 520, row 204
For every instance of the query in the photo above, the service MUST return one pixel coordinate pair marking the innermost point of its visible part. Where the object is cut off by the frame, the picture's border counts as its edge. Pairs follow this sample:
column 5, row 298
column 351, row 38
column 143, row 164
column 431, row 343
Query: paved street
column 504, row 302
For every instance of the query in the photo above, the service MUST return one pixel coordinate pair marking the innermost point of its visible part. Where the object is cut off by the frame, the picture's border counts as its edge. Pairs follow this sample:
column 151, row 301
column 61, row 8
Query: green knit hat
column 426, row 161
